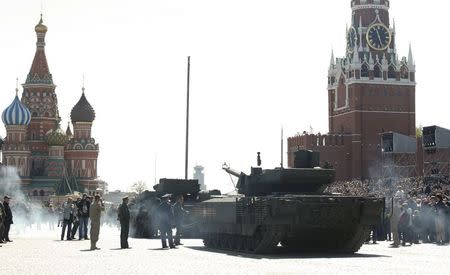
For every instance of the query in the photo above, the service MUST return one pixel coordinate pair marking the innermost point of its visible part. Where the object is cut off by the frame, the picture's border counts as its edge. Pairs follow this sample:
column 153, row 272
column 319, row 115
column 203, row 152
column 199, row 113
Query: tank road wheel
column 213, row 241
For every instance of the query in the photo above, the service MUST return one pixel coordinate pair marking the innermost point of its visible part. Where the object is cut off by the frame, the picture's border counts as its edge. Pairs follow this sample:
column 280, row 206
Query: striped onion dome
column 56, row 137
column 16, row 114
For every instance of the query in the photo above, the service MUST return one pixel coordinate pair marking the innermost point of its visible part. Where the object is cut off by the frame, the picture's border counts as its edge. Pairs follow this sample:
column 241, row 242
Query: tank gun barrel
column 230, row 171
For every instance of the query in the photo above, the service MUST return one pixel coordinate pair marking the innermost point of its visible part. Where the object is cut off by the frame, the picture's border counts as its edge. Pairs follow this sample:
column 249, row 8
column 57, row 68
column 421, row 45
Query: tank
column 143, row 209
column 287, row 207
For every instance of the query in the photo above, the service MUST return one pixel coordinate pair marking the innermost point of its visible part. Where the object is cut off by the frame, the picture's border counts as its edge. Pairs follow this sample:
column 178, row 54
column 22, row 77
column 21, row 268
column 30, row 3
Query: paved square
column 44, row 253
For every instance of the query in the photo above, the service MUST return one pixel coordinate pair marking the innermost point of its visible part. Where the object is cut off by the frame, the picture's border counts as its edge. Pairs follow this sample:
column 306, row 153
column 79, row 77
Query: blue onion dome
column 16, row 113
column 82, row 111
column 56, row 137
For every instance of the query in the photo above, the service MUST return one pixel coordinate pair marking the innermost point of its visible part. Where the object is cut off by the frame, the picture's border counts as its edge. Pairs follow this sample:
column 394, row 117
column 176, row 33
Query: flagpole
column 187, row 120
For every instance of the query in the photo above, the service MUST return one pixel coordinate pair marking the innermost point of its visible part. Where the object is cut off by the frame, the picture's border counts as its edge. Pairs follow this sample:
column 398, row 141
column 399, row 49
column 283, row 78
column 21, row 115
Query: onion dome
column 40, row 27
column 56, row 137
column 82, row 111
column 16, row 113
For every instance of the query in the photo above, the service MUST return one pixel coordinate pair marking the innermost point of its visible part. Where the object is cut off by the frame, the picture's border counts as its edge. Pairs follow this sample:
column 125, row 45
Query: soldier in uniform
column 8, row 219
column 178, row 213
column 124, row 218
column 94, row 214
column 165, row 221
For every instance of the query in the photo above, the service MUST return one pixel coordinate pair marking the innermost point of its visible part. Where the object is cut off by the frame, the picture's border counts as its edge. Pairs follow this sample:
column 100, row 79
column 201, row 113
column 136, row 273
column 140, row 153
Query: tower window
column 377, row 72
column 364, row 71
column 404, row 74
column 391, row 73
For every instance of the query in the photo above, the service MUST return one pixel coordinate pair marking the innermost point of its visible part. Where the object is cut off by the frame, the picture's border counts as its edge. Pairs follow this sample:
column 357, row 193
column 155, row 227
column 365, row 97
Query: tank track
column 263, row 241
column 345, row 243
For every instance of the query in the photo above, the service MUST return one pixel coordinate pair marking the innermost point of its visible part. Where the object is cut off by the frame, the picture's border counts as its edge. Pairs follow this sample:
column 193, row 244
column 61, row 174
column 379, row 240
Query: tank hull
column 318, row 223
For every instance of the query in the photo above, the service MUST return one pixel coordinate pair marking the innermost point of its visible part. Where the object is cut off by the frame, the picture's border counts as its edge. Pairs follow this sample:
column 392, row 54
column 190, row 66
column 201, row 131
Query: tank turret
column 306, row 178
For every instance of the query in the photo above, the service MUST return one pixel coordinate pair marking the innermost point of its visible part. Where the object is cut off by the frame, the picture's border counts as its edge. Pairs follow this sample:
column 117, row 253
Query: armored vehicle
column 287, row 206
column 144, row 209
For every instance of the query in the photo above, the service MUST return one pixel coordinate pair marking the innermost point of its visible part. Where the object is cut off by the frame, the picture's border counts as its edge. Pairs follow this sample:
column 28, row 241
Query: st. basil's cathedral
column 49, row 160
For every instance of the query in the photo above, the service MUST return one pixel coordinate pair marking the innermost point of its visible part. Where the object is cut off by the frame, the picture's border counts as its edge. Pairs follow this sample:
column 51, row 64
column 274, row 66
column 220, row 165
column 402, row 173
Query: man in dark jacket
column 124, row 218
column 83, row 215
column 2, row 220
column 165, row 221
column 8, row 219
column 179, row 213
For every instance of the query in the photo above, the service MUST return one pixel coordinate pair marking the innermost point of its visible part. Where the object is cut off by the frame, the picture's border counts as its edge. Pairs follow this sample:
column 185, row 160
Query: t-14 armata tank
column 287, row 206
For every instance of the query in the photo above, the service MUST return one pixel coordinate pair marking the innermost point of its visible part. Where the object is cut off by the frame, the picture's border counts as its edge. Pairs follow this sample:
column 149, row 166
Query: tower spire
column 39, row 72
column 17, row 86
column 82, row 88
column 410, row 56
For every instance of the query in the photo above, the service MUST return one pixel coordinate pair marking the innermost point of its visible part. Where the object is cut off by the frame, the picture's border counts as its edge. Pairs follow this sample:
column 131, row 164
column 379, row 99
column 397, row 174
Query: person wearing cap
column 95, row 212
column 8, row 219
column 165, row 221
column 123, row 215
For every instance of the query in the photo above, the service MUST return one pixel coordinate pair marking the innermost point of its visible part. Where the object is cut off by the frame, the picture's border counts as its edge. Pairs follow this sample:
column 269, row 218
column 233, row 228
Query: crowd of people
column 77, row 213
column 417, row 209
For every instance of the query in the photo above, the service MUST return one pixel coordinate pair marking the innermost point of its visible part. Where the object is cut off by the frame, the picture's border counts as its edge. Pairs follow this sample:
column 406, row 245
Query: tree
column 139, row 186
column 419, row 131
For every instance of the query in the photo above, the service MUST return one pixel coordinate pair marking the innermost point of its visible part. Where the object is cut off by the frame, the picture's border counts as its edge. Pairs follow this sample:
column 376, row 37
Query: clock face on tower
column 352, row 39
column 378, row 37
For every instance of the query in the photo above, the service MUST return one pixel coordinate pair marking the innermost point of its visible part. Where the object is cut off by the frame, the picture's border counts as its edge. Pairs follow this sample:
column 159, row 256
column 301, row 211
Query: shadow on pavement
column 281, row 253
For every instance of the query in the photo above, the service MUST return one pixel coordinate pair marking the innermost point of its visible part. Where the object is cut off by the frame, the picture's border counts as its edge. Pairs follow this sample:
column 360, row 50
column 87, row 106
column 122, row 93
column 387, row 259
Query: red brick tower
column 370, row 91
column 40, row 98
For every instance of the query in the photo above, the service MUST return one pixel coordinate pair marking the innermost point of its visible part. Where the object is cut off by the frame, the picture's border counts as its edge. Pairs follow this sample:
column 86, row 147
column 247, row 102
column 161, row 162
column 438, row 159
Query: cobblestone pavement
column 43, row 253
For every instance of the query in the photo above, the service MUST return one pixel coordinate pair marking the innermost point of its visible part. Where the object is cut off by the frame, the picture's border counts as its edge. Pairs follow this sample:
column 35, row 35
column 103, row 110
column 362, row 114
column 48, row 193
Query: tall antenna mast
column 187, row 120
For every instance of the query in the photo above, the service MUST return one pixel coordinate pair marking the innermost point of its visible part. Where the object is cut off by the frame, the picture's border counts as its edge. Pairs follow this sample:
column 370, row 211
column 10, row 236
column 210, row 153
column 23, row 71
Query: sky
column 256, row 66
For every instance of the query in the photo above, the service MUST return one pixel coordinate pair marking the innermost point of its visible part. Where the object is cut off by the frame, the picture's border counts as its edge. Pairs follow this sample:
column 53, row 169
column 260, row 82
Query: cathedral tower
column 40, row 98
column 370, row 90
column 16, row 151
column 82, row 152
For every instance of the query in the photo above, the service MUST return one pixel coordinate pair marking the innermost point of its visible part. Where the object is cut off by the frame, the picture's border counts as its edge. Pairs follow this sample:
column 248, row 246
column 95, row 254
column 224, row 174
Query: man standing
column 440, row 220
column 8, row 219
column 395, row 218
column 124, row 218
column 76, row 219
column 94, row 214
column 178, row 213
column 83, row 210
column 2, row 220
column 67, row 217
column 165, row 221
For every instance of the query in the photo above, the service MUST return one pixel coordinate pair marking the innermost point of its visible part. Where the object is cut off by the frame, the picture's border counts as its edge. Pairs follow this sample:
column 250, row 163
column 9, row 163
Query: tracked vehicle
column 287, row 206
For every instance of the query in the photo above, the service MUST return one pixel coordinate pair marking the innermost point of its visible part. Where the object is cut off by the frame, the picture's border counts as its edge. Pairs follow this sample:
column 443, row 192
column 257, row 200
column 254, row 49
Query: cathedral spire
column 332, row 59
column 39, row 72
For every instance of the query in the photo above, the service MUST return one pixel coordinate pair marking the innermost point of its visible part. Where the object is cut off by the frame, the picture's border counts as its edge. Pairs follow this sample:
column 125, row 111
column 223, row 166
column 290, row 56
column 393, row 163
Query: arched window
column 364, row 70
column 35, row 193
column 47, row 114
column 391, row 72
column 377, row 72
column 41, row 193
column 35, row 114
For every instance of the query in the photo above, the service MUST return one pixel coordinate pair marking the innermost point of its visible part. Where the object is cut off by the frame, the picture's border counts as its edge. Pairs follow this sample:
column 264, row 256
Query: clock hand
column 379, row 38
